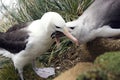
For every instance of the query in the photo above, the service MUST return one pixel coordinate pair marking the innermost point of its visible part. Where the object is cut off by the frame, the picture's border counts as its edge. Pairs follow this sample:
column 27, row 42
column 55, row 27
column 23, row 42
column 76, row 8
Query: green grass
column 94, row 74
column 110, row 62
column 8, row 72
column 107, row 68
column 30, row 10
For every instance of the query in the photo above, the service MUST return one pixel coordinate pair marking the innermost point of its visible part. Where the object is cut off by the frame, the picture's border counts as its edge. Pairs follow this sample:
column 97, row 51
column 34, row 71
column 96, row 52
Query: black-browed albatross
column 101, row 19
column 23, row 43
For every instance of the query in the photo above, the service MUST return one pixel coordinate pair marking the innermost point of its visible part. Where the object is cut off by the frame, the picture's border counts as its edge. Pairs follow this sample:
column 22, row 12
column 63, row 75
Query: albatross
column 23, row 43
column 100, row 19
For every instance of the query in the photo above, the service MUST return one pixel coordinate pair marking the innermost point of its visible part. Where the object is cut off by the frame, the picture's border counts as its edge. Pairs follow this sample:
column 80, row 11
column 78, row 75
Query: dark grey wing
column 18, row 26
column 113, row 15
column 14, row 41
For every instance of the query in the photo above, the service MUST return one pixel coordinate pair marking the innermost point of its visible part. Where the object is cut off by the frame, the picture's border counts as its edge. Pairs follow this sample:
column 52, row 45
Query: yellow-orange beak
column 70, row 36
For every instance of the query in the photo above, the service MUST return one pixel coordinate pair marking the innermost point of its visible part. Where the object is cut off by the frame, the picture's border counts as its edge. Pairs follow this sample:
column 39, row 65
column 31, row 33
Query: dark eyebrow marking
column 57, row 27
column 72, row 27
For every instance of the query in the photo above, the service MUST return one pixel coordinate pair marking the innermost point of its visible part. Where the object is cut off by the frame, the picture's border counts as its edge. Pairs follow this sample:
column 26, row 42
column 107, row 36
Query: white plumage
column 37, row 39
column 101, row 19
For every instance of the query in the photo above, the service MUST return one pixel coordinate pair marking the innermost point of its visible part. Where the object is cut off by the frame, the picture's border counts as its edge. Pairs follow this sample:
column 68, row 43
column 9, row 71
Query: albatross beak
column 70, row 36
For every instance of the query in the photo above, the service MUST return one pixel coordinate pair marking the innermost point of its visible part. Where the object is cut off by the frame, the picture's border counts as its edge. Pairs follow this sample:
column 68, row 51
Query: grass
column 8, row 72
column 29, row 10
column 107, row 68
column 94, row 74
column 109, row 62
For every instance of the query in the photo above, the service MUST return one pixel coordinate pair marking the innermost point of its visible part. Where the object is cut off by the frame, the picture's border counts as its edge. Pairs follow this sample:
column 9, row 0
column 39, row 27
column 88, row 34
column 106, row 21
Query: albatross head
column 57, row 26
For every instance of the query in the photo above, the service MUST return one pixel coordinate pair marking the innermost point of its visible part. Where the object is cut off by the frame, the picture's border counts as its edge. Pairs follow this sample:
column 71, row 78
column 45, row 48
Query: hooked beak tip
column 70, row 36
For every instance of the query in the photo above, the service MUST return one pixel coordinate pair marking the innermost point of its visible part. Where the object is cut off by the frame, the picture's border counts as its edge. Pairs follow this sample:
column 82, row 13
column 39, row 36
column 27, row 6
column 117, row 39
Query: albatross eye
column 57, row 27
column 72, row 27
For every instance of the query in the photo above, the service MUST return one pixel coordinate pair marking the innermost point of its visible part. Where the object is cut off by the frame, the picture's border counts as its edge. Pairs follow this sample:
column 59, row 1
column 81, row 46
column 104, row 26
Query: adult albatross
column 101, row 19
column 23, row 43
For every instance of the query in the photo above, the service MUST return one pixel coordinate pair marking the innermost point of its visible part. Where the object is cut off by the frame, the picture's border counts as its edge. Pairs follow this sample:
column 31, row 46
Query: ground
column 68, row 58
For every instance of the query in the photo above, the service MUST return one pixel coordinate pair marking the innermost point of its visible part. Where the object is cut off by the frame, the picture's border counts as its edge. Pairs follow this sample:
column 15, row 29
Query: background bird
column 101, row 19
column 23, row 43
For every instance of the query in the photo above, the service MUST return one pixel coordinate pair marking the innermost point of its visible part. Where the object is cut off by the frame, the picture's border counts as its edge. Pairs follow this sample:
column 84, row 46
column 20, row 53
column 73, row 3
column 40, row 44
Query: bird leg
column 33, row 65
column 20, row 71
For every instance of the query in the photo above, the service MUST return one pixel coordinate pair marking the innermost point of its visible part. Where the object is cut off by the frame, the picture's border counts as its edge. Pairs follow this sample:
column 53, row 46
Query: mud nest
column 86, row 52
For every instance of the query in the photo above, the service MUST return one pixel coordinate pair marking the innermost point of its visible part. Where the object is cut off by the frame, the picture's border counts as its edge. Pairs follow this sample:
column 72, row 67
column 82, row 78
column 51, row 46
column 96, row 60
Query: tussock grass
column 28, row 10
column 8, row 72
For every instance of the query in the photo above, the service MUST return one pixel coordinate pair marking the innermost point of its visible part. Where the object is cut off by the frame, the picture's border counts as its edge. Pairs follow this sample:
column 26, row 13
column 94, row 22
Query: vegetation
column 107, row 68
column 93, row 75
column 28, row 10
column 110, row 62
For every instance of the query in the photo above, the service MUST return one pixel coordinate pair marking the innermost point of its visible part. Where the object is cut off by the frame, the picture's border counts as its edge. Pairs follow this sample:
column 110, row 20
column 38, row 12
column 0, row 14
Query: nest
column 86, row 52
